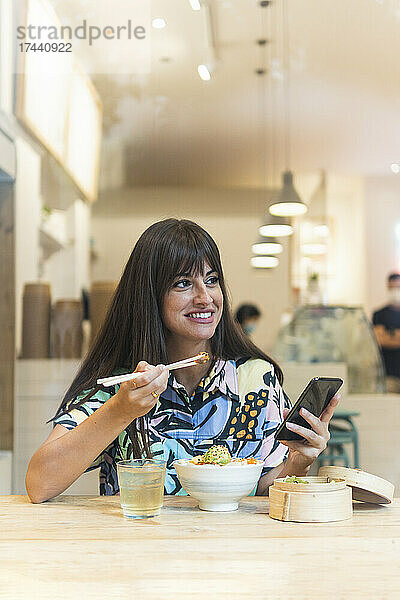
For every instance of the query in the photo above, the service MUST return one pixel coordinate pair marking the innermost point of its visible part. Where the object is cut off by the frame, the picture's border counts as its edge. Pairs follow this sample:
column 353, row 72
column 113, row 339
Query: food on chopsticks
column 199, row 359
column 220, row 456
column 203, row 357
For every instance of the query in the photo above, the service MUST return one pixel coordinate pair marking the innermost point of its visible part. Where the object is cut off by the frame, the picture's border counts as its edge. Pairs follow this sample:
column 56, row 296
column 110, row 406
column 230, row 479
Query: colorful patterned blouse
column 239, row 405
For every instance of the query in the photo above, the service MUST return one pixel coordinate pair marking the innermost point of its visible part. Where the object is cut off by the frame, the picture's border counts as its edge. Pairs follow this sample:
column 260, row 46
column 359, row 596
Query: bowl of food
column 217, row 480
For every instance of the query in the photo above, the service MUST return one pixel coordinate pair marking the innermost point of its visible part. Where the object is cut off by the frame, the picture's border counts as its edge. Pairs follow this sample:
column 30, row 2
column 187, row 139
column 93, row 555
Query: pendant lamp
column 276, row 227
column 267, row 245
column 288, row 202
column 264, row 262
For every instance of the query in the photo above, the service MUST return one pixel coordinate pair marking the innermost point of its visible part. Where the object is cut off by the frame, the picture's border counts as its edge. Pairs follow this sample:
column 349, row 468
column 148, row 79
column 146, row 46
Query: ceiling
column 342, row 95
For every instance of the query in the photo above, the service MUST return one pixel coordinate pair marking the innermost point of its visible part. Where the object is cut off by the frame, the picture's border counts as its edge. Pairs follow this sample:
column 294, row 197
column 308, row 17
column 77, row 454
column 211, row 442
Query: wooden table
column 82, row 547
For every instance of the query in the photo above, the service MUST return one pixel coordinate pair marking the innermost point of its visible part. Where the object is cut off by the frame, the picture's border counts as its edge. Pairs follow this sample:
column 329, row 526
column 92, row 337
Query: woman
column 170, row 304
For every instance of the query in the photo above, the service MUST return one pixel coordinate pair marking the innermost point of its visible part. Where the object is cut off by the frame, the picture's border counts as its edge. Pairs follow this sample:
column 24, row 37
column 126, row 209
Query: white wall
column 347, row 263
column 363, row 213
column 231, row 216
column 6, row 55
column 27, row 219
column 68, row 269
column 382, row 215
column 39, row 388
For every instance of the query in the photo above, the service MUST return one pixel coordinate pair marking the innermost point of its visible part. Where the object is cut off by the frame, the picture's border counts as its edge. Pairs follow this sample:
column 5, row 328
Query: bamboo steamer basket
column 321, row 500
column 365, row 486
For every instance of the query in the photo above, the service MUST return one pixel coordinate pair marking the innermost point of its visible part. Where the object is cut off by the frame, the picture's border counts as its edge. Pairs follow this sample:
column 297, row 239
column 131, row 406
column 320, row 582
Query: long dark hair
column 133, row 329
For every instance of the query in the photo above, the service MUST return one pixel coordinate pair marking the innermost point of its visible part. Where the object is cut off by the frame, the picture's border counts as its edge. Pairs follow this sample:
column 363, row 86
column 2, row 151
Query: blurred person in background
column 387, row 330
column 247, row 315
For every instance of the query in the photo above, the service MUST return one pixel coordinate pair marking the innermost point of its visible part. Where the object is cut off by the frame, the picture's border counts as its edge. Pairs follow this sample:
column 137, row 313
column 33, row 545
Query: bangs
column 191, row 259
column 186, row 252
column 194, row 265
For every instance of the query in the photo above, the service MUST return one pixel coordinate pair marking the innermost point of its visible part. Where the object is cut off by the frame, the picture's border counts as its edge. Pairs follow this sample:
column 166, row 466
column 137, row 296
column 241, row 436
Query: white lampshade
column 267, row 246
column 288, row 202
column 264, row 262
column 276, row 227
column 275, row 230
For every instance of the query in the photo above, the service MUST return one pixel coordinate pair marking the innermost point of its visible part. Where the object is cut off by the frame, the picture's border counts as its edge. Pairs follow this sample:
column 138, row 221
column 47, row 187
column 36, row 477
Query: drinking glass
column 141, row 484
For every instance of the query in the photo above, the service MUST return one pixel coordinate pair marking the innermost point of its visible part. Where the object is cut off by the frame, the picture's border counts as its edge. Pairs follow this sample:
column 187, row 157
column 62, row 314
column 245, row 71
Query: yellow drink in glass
column 141, row 484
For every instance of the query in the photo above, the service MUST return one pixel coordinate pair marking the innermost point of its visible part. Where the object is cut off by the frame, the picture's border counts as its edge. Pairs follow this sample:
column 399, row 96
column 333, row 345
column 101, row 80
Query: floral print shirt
column 238, row 405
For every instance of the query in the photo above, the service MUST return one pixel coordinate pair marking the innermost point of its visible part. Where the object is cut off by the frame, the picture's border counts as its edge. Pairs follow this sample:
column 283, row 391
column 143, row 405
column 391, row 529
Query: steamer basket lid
column 365, row 486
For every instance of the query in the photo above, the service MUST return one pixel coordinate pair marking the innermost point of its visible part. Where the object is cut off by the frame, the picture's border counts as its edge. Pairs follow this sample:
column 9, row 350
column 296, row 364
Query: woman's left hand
column 303, row 454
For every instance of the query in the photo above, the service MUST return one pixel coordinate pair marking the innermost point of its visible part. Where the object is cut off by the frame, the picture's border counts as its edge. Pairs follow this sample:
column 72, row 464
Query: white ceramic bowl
column 218, row 488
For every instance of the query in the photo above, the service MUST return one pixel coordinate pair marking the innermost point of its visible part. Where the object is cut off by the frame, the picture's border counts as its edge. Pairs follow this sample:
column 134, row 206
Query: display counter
column 334, row 334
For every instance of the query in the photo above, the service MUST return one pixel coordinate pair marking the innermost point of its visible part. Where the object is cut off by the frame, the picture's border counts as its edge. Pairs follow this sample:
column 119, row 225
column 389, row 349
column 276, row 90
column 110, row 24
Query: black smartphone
column 315, row 398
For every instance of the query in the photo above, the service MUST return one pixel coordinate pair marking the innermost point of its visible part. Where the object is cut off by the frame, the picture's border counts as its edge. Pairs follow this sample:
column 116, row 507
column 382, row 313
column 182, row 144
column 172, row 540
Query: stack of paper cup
column 101, row 294
column 67, row 332
column 36, row 305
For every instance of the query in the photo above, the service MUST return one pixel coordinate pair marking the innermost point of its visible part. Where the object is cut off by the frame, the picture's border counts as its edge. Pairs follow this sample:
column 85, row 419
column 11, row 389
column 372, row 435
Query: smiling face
column 192, row 307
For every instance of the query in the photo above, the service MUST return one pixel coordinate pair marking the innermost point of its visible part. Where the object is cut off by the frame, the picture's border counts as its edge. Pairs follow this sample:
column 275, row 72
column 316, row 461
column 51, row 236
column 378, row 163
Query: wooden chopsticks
column 201, row 358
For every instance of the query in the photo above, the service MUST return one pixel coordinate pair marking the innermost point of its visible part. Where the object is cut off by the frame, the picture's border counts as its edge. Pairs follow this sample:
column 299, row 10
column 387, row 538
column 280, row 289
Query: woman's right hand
column 138, row 396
